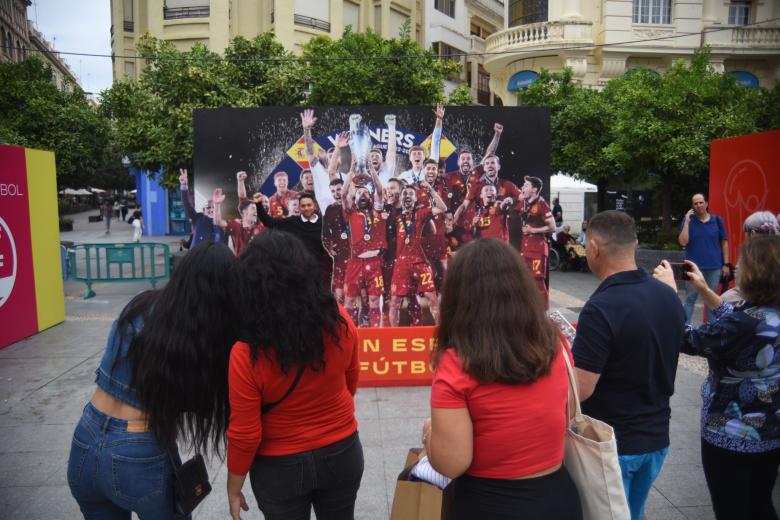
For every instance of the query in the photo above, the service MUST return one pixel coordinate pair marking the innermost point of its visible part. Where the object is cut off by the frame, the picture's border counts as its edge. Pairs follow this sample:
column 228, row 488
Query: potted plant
column 66, row 224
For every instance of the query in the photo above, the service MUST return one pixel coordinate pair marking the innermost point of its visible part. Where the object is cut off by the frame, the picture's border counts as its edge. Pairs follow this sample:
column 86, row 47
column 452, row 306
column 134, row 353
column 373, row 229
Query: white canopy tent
column 68, row 191
column 571, row 195
column 97, row 190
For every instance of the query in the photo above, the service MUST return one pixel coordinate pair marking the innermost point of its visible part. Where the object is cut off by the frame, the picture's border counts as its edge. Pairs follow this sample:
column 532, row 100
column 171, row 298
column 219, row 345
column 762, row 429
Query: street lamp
column 126, row 162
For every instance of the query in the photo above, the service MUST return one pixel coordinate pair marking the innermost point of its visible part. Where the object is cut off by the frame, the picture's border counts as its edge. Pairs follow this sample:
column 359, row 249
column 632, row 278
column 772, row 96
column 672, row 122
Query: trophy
column 359, row 145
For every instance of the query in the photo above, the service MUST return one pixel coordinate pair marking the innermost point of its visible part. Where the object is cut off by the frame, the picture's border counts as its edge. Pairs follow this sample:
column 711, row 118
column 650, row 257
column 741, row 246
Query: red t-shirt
column 365, row 223
column 535, row 215
column 411, row 252
column 319, row 411
column 518, row 429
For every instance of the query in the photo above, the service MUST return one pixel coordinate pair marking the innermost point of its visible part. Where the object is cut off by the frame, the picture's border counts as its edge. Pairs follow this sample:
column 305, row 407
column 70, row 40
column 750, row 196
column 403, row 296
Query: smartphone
column 679, row 269
column 567, row 328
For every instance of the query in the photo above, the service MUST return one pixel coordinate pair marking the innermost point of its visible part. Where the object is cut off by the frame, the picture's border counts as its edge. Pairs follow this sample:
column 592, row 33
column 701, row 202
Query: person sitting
column 499, row 391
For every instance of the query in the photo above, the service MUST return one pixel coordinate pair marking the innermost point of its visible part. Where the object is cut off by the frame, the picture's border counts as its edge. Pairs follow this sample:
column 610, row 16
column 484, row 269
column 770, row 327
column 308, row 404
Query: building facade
column 451, row 28
column 62, row 75
column 458, row 28
column 216, row 22
column 603, row 39
column 14, row 30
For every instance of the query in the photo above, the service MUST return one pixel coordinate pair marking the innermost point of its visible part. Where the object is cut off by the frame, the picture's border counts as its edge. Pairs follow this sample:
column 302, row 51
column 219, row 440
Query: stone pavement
column 45, row 381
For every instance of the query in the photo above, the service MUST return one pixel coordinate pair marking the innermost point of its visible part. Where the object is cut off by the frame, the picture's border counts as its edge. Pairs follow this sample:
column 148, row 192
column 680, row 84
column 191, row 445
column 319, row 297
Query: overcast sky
column 82, row 26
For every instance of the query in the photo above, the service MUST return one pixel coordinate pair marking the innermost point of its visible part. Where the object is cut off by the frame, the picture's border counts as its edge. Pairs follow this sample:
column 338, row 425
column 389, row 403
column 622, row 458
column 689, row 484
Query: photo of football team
column 385, row 206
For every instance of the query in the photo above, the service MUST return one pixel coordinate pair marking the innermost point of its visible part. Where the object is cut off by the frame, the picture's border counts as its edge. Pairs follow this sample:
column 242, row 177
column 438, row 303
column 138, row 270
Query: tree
column 154, row 114
column 662, row 125
column 36, row 114
column 366, row 69
column 580, row 125
column 460, row 96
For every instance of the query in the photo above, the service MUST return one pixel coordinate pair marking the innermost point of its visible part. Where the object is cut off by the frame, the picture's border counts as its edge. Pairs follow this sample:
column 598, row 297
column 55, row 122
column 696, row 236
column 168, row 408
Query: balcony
column 540, row 35
column 175, row 13
column 477, row 45
column 748, row 40
column 311, row 22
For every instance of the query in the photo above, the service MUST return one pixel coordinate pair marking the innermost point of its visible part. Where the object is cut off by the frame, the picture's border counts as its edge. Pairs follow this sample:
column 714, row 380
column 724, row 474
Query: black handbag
column 190, row 484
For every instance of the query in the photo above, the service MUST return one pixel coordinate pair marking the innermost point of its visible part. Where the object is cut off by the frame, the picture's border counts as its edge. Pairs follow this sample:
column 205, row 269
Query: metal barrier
column 132, row 262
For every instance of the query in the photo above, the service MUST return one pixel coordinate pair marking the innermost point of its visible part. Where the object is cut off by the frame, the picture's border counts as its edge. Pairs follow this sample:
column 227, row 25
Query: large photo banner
column 398, row 190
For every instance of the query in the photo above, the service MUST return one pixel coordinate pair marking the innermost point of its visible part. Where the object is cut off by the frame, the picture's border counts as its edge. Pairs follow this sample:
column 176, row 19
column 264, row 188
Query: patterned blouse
column 741, row 397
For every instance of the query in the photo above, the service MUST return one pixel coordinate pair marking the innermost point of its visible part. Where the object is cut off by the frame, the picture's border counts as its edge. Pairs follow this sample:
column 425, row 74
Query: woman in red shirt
column 499, row 393
column 299, row 358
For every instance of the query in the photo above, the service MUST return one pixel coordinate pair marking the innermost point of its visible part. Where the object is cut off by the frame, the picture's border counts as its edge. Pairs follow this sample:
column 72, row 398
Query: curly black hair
column 287, row 308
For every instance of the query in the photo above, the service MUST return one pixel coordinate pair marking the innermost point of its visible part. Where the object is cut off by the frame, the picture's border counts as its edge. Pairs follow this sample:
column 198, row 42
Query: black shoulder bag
column 190, row 484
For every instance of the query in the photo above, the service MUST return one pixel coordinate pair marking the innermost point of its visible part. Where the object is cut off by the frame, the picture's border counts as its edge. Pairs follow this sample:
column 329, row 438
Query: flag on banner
column 297, row 153
column 446, row 148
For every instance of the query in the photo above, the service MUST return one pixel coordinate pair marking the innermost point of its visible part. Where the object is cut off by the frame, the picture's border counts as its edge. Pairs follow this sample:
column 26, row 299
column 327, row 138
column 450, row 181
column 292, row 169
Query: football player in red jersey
column 335, row 238
column 279, row 200
column 434, row 239
column 366, row 219
column 537, row 222
column 504, row 187
column 459, row 181
column 490, row 219
column 412, row 274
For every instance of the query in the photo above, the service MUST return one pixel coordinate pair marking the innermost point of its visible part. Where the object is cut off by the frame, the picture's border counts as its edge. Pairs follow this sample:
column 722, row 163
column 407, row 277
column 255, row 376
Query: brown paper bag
column 415, row 500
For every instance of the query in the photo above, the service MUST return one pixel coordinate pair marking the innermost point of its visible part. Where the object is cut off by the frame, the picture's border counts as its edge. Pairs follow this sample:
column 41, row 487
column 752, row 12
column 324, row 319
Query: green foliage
column 650, row 128
column 154, row 114
column 36, row 114
column 580, row 125
column 401, row 74
column 460, row 96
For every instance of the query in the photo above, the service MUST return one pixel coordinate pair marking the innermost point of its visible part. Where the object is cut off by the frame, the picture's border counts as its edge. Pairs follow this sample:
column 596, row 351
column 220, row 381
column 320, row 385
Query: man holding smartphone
column 703, row 236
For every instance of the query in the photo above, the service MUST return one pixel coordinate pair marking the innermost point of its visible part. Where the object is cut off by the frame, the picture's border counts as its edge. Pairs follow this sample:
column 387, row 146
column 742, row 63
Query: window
column 174, row 9
column 478, row 30
column 397, row 21
column 312, row 13
column 352, row 15
column 522, row 12
column 447, row 52
column 130, row 69
column 445, row 6
column 483, row 86
column 739, row 12
column 653, row 11
column 127, row 10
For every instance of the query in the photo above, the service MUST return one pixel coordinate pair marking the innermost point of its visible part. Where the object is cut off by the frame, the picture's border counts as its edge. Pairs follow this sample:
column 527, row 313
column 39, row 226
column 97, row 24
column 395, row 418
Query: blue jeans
column 639, row 473
column 328, row 478
column 712, row 277
column 112, row 472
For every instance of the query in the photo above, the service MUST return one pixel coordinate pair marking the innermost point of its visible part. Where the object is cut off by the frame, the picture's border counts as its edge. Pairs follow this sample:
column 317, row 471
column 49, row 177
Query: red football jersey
column 491, row 223
column 458, row 187
column 278, row 204
column 335, row 232
column 535, row 214
column 504, row 187
column 367, row 230
column 409, row 227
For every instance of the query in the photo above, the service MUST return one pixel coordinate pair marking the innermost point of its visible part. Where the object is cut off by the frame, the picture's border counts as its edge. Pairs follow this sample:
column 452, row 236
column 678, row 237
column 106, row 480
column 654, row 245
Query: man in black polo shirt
column 625, row 353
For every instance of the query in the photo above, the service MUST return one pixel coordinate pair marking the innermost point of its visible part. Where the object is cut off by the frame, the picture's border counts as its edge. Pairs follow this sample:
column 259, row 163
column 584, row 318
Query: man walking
column 703, row 236
column 625, row 353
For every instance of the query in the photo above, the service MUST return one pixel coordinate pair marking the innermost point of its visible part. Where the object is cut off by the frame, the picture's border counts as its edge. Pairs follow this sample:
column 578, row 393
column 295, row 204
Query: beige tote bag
column 591, row 458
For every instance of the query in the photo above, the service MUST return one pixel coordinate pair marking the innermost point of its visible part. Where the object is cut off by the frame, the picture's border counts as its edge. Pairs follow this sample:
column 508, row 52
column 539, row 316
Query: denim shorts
column 639, row 473
column 112, row 472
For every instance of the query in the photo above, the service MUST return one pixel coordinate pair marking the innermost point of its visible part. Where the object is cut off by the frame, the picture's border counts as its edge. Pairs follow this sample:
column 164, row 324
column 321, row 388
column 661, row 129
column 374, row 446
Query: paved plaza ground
column 45, row 381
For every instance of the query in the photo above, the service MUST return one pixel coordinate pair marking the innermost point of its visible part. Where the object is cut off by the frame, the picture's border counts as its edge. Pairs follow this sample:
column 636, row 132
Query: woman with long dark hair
column 499, row 392
column 740, row 426
column 292, row 383
column 162, row 379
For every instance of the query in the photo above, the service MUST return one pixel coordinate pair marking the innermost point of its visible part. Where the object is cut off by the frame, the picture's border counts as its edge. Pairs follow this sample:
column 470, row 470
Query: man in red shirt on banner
column 412, row 274
column 279, row 200
column 490, row 218
column 537, row 222
column 504, row 187
column 367, row 224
